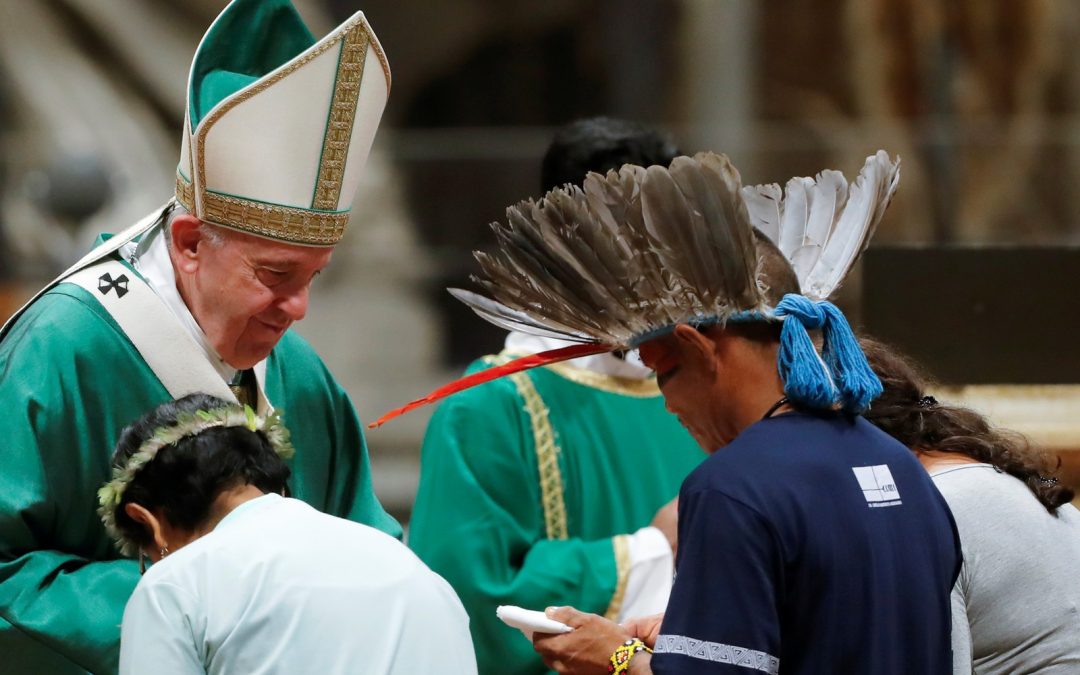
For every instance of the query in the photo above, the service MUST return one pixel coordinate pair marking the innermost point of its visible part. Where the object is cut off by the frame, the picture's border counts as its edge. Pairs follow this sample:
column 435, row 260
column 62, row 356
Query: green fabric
column 69, row 382
column 250, row 39
column 479, row 520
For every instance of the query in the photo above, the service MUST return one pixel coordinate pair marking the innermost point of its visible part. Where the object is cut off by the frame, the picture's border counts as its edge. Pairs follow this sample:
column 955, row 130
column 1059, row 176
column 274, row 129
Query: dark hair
column 600, row 144
column 185, row 478
column 906, row 413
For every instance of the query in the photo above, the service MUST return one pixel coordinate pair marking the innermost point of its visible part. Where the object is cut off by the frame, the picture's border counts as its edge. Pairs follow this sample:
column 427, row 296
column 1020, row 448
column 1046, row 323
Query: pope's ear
column 186, row 233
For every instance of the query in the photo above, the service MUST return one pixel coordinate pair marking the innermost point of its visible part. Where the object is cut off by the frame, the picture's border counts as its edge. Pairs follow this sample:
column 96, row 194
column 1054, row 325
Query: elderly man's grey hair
column 215, row 235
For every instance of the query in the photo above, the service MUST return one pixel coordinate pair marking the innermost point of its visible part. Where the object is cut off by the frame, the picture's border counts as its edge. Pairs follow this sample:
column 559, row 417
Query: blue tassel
column 851, row 372
column 806, row 378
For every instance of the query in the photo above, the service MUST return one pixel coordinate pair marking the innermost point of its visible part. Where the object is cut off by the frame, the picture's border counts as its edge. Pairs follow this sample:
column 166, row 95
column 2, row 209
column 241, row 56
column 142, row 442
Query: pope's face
column 246, row 291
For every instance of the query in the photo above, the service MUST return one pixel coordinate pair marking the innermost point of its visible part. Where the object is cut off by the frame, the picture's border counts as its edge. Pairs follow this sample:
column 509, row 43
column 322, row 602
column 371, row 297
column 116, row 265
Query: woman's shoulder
column 991, row 503
column 979, row 487
column 969, row 478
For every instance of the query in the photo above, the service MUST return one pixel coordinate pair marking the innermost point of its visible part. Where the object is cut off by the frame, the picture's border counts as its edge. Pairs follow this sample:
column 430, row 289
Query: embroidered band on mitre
column 278, row 125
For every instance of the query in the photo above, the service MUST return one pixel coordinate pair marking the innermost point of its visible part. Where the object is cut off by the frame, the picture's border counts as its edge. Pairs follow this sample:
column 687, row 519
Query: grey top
column 1016, row 605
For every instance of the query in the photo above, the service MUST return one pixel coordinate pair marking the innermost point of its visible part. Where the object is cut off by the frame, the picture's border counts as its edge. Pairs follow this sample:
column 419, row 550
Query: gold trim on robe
column 621, row 544
column 547, row 452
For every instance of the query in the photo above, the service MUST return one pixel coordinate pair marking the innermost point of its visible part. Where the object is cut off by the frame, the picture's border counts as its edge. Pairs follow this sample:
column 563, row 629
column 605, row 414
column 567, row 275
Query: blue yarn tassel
column 851, row 372
column 806, row 378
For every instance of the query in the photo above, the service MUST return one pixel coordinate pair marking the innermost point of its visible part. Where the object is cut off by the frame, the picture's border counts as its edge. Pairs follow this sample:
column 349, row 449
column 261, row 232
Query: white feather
column 827, row 199
column 868, row 197
column 764, row 203
column 795, row 214
column 830, row 196
column 824, row 223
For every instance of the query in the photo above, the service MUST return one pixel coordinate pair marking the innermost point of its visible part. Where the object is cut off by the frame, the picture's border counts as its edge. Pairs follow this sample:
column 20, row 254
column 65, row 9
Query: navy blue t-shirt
column 811, row 544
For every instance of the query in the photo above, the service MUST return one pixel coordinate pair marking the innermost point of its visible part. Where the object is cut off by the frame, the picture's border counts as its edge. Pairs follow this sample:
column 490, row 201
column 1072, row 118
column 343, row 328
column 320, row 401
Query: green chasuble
column 527, row 484
column 69, row 382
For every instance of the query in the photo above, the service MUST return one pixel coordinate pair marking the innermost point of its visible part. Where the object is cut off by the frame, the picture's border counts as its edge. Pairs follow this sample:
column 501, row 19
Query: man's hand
column 667, row 521
column 645, row 628
column 584, row 651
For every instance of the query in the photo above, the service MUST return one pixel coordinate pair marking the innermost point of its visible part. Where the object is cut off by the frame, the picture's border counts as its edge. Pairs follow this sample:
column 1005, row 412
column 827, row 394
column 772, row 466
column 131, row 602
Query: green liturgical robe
column 69, row 382
column 528, row 486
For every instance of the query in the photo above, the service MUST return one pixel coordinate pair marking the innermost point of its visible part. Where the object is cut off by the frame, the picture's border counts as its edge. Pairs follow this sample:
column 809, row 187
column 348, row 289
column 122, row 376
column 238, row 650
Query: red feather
column 509, row 368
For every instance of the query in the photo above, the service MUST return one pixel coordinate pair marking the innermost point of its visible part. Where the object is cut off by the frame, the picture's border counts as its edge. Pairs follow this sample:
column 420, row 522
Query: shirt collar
column 247, row 507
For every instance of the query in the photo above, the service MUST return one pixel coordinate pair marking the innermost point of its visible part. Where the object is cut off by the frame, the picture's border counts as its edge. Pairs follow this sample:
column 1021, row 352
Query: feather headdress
column 638, row 251
column 635, row 251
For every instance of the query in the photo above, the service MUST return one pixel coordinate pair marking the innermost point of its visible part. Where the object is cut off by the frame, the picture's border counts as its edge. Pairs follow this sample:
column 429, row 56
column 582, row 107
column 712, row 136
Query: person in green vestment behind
column 525, row 483
column 199, row 296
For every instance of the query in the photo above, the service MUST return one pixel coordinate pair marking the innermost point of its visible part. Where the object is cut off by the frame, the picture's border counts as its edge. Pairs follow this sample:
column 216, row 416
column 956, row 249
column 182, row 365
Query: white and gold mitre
column 278, row 125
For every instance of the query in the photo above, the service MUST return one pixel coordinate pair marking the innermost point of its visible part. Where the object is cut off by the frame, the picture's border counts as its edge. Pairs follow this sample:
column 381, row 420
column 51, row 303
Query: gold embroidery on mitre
column 263, row 217
column 185, row 193
column 339, row 127
column 300, row 226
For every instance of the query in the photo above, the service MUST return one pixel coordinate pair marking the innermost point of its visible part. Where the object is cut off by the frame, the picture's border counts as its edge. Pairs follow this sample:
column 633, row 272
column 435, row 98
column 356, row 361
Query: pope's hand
column 587, row 649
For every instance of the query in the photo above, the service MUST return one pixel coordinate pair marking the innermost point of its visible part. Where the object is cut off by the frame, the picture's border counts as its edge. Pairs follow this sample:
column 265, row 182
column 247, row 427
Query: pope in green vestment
column 276, row 132
column 69, row 382
column 531, row 486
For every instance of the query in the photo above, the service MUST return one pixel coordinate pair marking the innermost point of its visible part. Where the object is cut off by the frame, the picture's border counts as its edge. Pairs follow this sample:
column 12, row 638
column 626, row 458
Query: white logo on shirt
column 877, row 485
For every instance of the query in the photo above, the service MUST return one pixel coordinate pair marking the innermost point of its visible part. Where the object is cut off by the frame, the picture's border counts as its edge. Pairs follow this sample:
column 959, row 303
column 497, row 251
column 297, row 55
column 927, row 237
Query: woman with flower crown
column 246, row 579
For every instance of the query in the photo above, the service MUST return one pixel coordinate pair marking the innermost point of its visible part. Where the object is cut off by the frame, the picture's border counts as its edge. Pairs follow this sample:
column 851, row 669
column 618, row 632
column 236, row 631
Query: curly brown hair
column 906, row 413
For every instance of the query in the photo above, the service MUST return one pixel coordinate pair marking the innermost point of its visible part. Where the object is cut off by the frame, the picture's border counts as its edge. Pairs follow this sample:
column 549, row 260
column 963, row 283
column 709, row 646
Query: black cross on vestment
column 106, row 283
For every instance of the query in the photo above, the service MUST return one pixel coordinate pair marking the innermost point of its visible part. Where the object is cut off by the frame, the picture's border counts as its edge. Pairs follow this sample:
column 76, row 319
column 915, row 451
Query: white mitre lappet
column 278, row 124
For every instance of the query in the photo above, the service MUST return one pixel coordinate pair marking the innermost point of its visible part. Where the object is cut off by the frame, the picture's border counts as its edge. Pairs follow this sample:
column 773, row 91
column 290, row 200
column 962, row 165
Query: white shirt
column 279, row 587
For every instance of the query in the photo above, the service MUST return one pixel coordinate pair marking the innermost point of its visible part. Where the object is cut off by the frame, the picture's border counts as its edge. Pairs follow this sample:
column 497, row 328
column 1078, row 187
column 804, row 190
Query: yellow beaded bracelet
column 620, row 658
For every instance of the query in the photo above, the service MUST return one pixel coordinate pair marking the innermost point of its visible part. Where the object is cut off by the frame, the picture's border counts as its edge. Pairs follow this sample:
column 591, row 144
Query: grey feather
column 510, row 319
column 635, row 250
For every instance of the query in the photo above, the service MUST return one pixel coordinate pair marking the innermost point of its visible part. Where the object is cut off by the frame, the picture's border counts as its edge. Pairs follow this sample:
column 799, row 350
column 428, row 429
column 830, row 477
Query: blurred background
column 980, row 98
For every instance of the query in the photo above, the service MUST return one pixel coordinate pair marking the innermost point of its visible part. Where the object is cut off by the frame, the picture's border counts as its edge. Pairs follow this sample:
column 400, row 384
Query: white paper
column 529, row 621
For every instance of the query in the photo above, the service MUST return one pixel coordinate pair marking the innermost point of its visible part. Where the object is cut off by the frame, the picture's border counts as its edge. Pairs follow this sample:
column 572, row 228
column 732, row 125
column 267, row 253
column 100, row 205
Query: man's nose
column 295, row 304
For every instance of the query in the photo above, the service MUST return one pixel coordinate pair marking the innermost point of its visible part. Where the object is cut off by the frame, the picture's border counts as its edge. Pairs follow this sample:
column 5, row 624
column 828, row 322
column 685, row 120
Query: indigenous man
column 809, row 541
column 199, row 297
column 522, row 497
